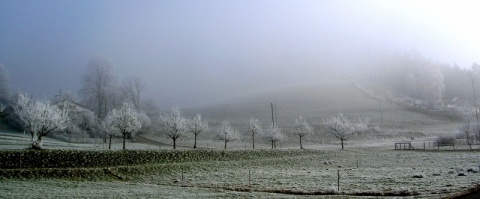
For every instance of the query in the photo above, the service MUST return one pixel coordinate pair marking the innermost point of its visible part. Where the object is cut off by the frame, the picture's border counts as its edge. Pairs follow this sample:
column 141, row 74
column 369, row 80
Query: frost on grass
column 379, row 174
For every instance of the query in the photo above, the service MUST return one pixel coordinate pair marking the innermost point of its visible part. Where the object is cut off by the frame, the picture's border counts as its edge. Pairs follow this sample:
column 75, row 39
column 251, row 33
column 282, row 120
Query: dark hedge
column 18, row 159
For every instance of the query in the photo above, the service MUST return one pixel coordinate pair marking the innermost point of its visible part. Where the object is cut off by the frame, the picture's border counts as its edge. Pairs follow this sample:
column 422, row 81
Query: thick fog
column 192, row 53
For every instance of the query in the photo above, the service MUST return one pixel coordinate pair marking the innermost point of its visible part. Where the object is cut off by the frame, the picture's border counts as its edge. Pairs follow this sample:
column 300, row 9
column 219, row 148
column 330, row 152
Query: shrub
column 445, row 140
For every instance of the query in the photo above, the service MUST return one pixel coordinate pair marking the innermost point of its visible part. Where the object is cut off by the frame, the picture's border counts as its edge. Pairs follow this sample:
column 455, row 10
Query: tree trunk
column 124, row 138
column 174, row 143
column 272, row 144
column 478, row 122
column 110, row 142
column 253, row 140
column 342, row 142
column 225, row 144
column 195, row 141
column 37, row 144
column 301, row 147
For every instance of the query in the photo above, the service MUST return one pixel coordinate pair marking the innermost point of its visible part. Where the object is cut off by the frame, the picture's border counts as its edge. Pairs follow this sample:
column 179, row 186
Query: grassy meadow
column 368, row 167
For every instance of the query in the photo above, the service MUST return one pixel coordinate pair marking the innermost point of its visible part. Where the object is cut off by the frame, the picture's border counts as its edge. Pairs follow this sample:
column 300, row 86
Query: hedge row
column 92, row 174
column 68, row 173
column 15, row 159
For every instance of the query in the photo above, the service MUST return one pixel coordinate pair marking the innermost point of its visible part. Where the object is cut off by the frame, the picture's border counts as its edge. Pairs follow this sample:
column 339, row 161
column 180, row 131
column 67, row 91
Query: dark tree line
column 429, row 84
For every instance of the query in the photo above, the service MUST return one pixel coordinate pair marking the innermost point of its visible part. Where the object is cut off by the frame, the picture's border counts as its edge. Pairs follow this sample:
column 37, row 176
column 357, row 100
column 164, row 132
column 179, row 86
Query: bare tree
column 341, row 127
column 273, row 134
column 254, row 128
column 476, row 100
column 173, row 125
column 4, row 85
column 302, row 129
column 197, row 126
column 39, row 117
column 97, row 85
column 467, row 130
column 123, row 122
column 227, row 133
column 132, row 88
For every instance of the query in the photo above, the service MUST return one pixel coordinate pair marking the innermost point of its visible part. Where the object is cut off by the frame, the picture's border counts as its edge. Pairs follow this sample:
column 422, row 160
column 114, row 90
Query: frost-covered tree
column 131, row 89
column 254, row 128
column 431, row 87
column 467, row 129
column 273, row 134
column 145, row 121
column 174, row 125
column 341, row 127
column 196, row 127
column 83, row 124
column 476, row 95
column 39, row 117
column 227, row 134
column 4, row 85
column 98, row 86
column 410, row 77
column 65, row 96
column 302, row 129
column 122, row 122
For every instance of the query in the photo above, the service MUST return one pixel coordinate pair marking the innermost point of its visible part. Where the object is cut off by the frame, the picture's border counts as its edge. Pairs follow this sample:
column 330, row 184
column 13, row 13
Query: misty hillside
column 316, row 101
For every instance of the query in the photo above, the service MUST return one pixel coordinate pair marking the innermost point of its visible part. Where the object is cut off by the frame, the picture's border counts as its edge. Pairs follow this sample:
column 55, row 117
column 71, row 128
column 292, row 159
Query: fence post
column 249, row 179
column 338, row 181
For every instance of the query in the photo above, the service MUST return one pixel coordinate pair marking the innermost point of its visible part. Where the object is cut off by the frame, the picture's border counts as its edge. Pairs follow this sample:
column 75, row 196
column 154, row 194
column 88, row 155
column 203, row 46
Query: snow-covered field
column 364, row 167
column 372, row 169
column 431, row 174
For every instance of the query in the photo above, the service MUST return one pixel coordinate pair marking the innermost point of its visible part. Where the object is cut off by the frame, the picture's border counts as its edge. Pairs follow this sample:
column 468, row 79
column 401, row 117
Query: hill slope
column 316, row 101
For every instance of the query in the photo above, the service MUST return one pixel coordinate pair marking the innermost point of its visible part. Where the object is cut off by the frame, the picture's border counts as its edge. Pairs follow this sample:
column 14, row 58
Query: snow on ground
column 363, row 166
column 442, row 173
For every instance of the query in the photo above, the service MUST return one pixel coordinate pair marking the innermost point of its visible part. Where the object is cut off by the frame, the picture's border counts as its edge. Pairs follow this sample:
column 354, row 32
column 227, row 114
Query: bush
column 445, row 140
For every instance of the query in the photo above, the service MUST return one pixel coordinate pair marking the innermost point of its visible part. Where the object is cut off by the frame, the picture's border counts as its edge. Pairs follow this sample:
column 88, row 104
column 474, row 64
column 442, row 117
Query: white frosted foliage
column 122, row 122
column 227, row 133
column 174, row 125
column 39, row 117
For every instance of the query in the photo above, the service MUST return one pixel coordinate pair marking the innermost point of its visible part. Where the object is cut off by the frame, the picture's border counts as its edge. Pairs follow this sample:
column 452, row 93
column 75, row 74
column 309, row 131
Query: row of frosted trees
column 40, row 118
column 175, row 126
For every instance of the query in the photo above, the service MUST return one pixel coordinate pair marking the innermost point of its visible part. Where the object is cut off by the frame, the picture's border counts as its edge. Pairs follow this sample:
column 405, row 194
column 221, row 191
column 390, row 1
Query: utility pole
column 381, row 114
column 59, row 96
column 275, row 109
column 105, row 117
column 273, row 117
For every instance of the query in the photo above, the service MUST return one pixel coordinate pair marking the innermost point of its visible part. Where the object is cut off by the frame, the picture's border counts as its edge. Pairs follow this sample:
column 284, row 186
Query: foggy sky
column 194, row 52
